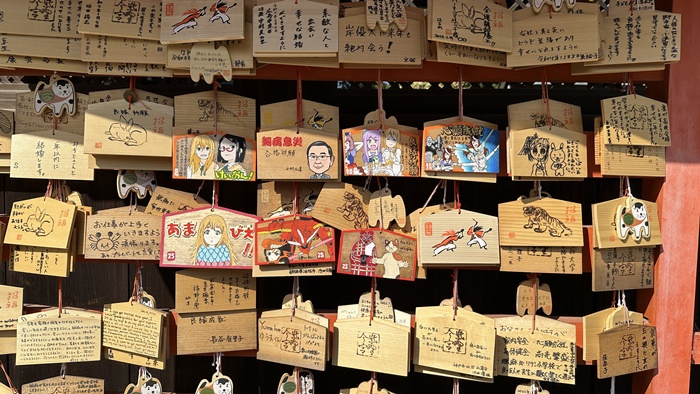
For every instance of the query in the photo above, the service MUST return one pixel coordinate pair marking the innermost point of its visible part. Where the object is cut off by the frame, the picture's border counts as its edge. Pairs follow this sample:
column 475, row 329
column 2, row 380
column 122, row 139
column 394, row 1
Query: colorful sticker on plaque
column 380, row 253
column 212, row 155
column 294, row 239
column 461, row 147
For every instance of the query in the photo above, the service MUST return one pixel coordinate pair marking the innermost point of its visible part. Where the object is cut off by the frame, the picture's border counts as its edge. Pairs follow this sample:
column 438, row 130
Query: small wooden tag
column 343, row 206
column 102, row 96
column 597, row 322
column 475, row 23
column 555, row 4
column 627, row 349
column 219, row 384
column 208, row 62
column 164, row 200
column 141, row 360
column 533, row 114
column 292, row 341
column 146, row 385
column 49, row 155
column 57, row 97
column 276, row 199
column 41, row 260
column 208, row 237
column 384, row 209
column 372, row 252
column 288, row 383
column 201, row 20
column 27, row 120
column 130, row 19
column 133, row 327
column 41, row 222
column 525, row 296
column 11, row 306
column 120, row 235
column 288, row 154
column 7, row 128
column 634, row 223
column 114, row 50
column 294, row 239
column 525, row 388
column 209, row 290
column 214, row 156
column 460, row 147
column 373, row 151
column 140, row 182
column 383, row 308
column 545, row 153
column 370, row 388
column 65, row 384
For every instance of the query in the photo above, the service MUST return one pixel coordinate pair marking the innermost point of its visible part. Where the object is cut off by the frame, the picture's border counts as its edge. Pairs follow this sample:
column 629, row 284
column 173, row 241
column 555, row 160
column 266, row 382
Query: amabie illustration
column 213, row 246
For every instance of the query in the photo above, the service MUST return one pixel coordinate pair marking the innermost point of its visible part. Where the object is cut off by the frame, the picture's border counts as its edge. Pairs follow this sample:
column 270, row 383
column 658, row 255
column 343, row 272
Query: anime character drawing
column 231, row 154
column 276, row 251
column 445, row 157
column 449, row 242
column 432, row 147
column 391, row 260
column 391, row 153
column 537, row 151
column 201, row 156
column 219, row 9
column 213, row 247
column 190, row 19
column 475, row 154
column 350, row 149
column 371, row 156
column 477, row 232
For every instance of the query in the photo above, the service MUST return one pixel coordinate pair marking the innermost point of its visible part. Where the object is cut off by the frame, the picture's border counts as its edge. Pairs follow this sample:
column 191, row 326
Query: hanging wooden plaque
column 343, row 206
column 120, row 128
column 597, row 322
column 43, row 63
column 129, row 69
column 41, row 260
column 65, row 384
column 211, row 332
column 315, row 115
column 458, row 238
column 386, row 12
column 308, row 154
column 7, row 128
column 635, row 120
column 276, row 199
column 164, row 200
column 96, row 48
column 389, row 152
column 34, row 18
column 207, row 61
column 541, row 39
column 372, row 252
column 101, row 96
column 381, row 346
column 219, row 383
column 385, row 209
column 548, row 153
column 294, row 239
column 27, row 120
column 209, row 290
column 293, row 341
column 201, row 20
column 312, row 29
column 41, row 47
column 627, row 349
column 537, row 222
column 133, row 327
column 219, row 156
column 145, row 384
column 300, row 381
column 523, row 354
column 240, row 51
column 49, row 155
column 533, row 114
column 460, row 54
column 465, row 343
column 475, row 23
column 623, row 268
column 121, row 235
column 41, row 222
column 626, row 222
column 121, row 18
column 208, row 237
column 542, row 259
column 141, row 360
column 198, row 109
column 71, row 339
column 369, row 387
column 526, row 297
column 460, row 147
column 374, row 46
column 10, row 306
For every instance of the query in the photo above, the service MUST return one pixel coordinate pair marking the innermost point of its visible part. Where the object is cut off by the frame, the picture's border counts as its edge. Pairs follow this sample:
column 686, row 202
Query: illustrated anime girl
column 231, row 154
column 213, row 246
column 537, row 150
column 201, row 156
column 370, row 142
column 391, row 154
column 475, row 152
column 350, row 147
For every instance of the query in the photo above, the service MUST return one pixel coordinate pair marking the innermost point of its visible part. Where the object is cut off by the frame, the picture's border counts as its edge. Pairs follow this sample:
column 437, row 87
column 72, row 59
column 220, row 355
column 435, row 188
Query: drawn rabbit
column 128, row 132
column 39, row 223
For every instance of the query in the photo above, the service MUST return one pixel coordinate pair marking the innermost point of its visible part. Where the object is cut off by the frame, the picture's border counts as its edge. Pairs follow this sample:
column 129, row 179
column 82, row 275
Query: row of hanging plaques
column 134, row 130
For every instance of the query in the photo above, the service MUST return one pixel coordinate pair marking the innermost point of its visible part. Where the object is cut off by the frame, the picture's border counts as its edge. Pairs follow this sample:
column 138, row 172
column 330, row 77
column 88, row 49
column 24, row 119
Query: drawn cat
column 558, row 157
column 391, row 260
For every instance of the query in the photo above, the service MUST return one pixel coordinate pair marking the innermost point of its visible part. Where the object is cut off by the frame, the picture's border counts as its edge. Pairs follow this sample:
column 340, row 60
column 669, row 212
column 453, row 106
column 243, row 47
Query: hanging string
column 455, row 274
column 629, row 82
column 217, row 363
column 612, row 385
column 373, row 378
column 132, row 89
column 444, row 194
column 440, row 182
column 629, row 189
column 295, row 295
column 632, row 3
column 55, row 124
column 60, row 296
column 461, row 91
column 216, row 103
column 9, row 381
column 295, row 200
column 144, row 375
column 372, row 299
column 614, row 297
column 381, row 207
column 545, row 94
column 64, row 369
column 550, row 11
column 49, row 189
column 380, row 99
column 458, row 205
column 199, row 189
column 455, row 386
column 627, row 311
column 533, row 278
column 296, row 380
column 300, row 102
column 214, row 195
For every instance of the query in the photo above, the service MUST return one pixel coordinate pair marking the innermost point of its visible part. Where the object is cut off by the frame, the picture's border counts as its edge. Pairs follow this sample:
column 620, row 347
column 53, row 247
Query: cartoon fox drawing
column 448, row 243
column 190, row 20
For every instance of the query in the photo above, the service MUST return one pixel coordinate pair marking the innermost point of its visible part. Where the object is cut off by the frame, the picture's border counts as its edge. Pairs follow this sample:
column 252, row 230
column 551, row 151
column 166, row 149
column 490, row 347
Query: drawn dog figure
column 541, row 221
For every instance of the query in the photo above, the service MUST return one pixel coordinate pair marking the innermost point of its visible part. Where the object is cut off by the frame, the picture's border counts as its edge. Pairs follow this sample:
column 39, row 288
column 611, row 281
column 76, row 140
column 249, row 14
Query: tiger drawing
column 207, row 108
column 538, row 217
column 541, row 120
column 353, row 211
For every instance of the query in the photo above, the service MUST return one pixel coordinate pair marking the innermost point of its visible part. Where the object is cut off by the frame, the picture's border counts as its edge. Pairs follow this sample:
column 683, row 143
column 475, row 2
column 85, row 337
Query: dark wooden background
column 488, row 292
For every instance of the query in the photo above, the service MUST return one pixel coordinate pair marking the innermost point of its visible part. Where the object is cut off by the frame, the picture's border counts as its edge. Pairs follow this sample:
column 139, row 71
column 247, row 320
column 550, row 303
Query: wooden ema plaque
column 473, row 236
column 465, row 343
column 597, row 322
column 164, row 200
column 45, row 338
column 133, row 327
column 312, row 29
column 474, row 23
column 525, row 297
column 635, row 120
column 542, row 259
column 630, row 160
column 122, row 235
column 131, row 358
column 10, row 307
column 42, row 47
column 376, row 346
column 540, row 221
column 623, row 268
column 210, row 290
column 385, row 209
column 627, row 349
column 315, row 115
column 547, row 153
column 32, row 18
column 548, row 354
column 372, row 252
column 66, row 384
column 470, row 56
column 7, row 128
column 41, row 222
column 102, row 96
column 27, row 120
column 294, row 239
column 130, row 19
column 625, row 222
column 293, row 341
column 240, row 52
column 208, row 237
column 384, row 13
column 198, row 109
column 218, row 156
column 390, row 152
column 97, row 48
column 460, row 147
column 306, row 154
column 49, row 155
column 300, row 381
column 539, row 39
column 41, row 260
column 533, row 114
column 211, row 332
column 129, row 69
column 201, row 20
column 207, row 61
column 276, row 199
column 145, row 384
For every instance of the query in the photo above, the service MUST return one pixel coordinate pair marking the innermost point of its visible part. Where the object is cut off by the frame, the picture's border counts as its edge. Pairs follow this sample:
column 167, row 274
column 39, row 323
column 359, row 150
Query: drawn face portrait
column 320, row 156
column 372, row 144
column 391, row 140
column 202, row 152
column 231, row 149
column 212, row 236
column 227, row 150
column 539, row 151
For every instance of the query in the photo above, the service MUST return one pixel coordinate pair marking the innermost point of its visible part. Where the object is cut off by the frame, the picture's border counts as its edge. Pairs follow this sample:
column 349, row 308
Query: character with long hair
column 370, row 142
column 537, row 150
column 350, row 148
column 231, row 154
column 201, row 156
column 391, row 153
column 213, row 246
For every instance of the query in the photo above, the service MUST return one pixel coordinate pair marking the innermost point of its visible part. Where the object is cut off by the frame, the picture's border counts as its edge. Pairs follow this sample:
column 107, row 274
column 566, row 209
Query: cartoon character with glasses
column 321, row 159
column 231, row 155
